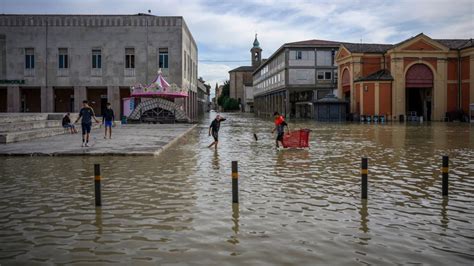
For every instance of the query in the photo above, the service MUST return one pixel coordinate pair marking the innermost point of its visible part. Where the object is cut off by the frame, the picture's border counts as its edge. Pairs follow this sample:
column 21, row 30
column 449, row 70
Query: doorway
column 3, row 100
column 63, row 100
column 418, row 103
column 30, row 100
column 418, row 93
column 97, row 98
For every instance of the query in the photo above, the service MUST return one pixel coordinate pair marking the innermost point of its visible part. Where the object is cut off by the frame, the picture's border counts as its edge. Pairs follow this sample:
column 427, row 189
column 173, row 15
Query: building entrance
column 30, row 100
column 418, row 103
column 63, row 100
column 418, row 92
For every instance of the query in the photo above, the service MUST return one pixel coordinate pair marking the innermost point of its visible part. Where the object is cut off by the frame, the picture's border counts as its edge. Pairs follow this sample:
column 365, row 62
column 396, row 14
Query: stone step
column 21, row 117
column 9, row 137
column 29, row 125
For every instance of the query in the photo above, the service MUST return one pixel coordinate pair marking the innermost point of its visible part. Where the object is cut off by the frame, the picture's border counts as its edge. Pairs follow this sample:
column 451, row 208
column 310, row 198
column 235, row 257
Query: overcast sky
column 225, row 29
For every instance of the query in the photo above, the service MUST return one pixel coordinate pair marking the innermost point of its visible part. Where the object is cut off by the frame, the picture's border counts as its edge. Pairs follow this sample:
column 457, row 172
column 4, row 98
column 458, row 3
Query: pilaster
column 113, row 97
column 80, row 94
column 377, row 98
column 439, row 91
column 13, row 99
column 47, row 100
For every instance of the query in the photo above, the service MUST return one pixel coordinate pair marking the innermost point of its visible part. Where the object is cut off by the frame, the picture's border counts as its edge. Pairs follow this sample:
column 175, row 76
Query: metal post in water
column 445, row 170
column 235, row 182
column 363, row 173
column 97, row 178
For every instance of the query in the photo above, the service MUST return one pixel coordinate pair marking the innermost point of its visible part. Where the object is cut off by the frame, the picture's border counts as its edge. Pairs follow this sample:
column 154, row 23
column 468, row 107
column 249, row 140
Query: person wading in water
column 214, row 129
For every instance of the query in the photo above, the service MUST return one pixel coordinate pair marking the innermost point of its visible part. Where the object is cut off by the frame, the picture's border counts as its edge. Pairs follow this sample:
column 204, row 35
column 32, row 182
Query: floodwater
column 299, row 207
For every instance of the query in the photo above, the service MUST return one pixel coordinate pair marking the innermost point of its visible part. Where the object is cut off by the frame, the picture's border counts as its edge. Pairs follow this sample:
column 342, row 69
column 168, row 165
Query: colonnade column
column 113, row 97
column 80, row 94
column 13, row 99
column 47, row 100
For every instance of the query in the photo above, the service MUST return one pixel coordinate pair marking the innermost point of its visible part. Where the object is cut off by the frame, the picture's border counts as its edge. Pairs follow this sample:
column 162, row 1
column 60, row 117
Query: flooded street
column 298, row 207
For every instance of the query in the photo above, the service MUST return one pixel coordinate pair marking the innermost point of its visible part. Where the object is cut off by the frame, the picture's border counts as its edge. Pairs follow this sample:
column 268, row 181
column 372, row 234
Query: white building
column 294, row 77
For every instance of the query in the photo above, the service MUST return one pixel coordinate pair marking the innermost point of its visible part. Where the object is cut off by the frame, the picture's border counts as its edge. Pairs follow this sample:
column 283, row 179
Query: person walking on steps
column 87, row 114
column 214, row 129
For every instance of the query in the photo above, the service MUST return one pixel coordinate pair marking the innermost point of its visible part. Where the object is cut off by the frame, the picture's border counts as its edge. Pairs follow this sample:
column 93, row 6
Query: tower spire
column 256, row 44
column 256, row 52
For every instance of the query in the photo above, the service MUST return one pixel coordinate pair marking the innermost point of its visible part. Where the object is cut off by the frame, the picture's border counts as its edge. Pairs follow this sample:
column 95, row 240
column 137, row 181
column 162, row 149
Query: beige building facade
column 51, row 63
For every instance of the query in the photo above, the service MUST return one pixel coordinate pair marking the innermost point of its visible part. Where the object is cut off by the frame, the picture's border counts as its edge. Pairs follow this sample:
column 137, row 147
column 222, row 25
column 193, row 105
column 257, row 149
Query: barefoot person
column 214, row 129
column 107, row 120
column 279, row 127
column 87, row 114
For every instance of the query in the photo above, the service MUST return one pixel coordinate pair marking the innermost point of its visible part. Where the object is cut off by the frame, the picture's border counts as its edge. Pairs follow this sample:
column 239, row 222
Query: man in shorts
column 107, row 120
column 214, row 129
column 87, row 114
column 279, row 127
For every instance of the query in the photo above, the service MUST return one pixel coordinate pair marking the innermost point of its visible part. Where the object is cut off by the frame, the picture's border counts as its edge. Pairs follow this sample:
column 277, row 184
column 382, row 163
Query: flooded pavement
column 296, row 207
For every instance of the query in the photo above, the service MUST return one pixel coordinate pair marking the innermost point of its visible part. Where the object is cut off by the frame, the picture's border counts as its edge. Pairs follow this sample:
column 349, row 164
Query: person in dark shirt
column 214, row 129
column 68, row 125
column 87, row 114
column 107, row 120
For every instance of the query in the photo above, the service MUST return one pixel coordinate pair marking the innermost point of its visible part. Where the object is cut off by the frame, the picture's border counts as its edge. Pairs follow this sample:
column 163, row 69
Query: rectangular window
column 324, row 58
column 129, row 57
column 63, row 58
column 327, row 75
column 163, row 58
column 299, row 55
column 320, row 75
column 96, row 58
column 324, row 75
column 29, row 58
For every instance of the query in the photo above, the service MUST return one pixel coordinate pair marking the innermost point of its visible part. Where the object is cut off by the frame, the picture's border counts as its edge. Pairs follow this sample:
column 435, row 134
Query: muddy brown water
column 299, row 207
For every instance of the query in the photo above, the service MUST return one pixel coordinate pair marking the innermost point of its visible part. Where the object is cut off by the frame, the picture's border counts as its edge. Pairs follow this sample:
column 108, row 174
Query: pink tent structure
column 158, row 88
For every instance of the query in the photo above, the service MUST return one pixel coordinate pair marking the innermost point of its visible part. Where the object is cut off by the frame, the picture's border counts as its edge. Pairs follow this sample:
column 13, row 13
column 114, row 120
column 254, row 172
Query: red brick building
column 420, row 76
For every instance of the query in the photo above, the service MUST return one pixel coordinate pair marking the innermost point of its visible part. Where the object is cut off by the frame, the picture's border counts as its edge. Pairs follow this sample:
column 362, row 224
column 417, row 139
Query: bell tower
column 256, row 52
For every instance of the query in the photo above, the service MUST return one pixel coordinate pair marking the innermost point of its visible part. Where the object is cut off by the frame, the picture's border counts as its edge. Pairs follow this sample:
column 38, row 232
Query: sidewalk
column 130, row 139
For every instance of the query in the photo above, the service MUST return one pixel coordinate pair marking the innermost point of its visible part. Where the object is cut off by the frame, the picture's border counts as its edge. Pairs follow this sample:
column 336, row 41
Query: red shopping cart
column 296, row 139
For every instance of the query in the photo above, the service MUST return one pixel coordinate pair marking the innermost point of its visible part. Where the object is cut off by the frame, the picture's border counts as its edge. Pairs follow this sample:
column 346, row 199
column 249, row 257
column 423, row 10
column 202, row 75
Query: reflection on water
column 296, row 206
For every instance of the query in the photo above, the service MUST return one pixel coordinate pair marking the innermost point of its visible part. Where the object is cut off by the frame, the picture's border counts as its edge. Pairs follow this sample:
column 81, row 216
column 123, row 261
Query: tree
column 229, row 104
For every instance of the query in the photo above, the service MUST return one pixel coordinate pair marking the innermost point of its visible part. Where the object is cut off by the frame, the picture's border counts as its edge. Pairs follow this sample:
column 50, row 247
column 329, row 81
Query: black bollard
column 363, row 173
column 235, row 182
column 97, row 177
column 444, row 170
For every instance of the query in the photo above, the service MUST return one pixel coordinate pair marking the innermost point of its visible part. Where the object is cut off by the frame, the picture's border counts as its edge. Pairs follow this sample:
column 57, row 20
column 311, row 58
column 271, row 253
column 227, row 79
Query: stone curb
column 62, row 154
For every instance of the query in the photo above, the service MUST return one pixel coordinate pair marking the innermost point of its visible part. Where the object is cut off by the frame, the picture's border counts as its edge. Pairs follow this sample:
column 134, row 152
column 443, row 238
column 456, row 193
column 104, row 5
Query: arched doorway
column 419, row 92
column 346, row 85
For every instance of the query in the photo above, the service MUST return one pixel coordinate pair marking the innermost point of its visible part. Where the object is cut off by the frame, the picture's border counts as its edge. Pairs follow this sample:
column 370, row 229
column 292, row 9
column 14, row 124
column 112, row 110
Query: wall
column 368, row 92
column 370, row 65
column 81, row 39
column 385, row 99
column 110, row 33
column 302, row 76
